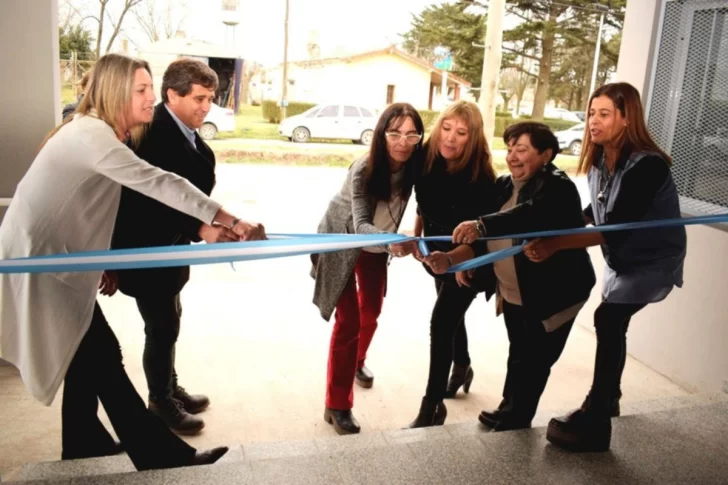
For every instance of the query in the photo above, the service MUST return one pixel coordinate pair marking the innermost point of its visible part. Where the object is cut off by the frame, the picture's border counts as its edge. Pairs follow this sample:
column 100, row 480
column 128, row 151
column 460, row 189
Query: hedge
column 556, row 125
column 272, row 112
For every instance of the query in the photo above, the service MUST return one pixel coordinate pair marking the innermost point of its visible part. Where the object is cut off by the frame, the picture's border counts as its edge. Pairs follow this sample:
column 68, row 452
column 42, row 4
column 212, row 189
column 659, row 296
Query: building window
column 390, row 94
column 688, row 103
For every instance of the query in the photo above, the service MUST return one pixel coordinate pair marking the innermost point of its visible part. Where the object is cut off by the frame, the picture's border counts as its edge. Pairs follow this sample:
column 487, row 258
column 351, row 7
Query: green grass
column 67, row 95
column 564, row 162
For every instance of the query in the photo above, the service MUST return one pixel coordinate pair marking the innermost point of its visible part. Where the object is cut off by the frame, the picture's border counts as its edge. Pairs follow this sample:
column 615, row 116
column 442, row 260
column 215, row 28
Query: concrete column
column 31, row 79
column 638, row 43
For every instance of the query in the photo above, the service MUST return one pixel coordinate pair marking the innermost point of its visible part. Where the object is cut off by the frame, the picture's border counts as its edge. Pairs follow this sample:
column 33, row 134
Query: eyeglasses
column 411, row 139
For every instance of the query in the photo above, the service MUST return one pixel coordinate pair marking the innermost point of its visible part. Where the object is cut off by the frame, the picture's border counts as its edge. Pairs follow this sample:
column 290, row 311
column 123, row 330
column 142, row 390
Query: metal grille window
column 688, row 106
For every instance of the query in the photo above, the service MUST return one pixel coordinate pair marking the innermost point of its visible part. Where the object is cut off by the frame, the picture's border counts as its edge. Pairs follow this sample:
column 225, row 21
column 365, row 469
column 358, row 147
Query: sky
column 342, row 26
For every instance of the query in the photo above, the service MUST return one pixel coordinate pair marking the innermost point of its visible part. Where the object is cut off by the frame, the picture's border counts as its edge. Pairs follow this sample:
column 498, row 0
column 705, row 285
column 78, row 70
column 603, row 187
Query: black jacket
column 549, row 200
column 444, row 200
column 144, row 222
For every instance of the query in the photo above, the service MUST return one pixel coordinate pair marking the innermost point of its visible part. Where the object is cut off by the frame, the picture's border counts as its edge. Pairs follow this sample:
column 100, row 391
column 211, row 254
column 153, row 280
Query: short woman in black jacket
column 539, row 302
column 455, row 185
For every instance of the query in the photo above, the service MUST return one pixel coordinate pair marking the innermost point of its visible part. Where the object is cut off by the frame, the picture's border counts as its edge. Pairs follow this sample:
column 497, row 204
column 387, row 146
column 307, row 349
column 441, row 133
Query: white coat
column 66, row 203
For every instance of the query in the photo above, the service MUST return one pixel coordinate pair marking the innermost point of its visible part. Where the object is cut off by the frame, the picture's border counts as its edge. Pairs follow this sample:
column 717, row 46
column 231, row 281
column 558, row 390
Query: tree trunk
column 101, row 28
column 544, row 66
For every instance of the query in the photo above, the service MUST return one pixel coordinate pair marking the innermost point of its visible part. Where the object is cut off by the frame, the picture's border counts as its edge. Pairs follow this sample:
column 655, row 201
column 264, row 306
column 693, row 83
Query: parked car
column 580, row 114
column 341, row 121
column 561, row 114
column 570, row 139
column 217, row 120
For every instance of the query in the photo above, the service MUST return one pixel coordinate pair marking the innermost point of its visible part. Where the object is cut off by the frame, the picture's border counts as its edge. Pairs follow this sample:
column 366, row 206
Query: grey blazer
column 351, row 211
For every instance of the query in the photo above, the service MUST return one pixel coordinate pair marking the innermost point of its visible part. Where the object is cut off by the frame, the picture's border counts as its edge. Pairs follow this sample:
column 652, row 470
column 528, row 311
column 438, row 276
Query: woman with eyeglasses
column 629, row 181
column 352, row 282
column 456, row 184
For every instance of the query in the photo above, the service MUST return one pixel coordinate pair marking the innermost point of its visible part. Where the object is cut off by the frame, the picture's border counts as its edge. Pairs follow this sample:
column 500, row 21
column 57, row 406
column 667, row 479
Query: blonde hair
column 109, row 94
column 626, row 99
column 476, row 154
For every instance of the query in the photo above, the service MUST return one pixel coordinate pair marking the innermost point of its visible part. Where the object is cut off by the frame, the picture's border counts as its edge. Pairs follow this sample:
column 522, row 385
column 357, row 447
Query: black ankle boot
column 431, row 414
column 343, row 420
column 581, row 430
column 491, row 418
column 461, row 376
column 614, row 409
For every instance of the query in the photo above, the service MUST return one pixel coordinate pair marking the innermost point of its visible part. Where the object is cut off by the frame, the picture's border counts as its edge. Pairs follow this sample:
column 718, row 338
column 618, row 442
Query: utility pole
column 491, row 65
column 284, row 89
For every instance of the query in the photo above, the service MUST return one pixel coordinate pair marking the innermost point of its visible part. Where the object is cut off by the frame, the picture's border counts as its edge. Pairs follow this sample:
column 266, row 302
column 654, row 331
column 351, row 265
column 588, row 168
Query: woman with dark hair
column 539, row 302
column 629, row 181
column 456, row 184
column 352, row 282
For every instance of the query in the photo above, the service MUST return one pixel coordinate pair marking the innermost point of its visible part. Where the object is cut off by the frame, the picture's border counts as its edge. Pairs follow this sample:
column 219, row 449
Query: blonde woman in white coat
column 51, row 327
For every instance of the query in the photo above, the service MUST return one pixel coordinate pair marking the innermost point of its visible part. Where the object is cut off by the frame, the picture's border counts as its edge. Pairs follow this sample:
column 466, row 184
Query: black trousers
column 448, row 317
column 97, row 373
column 611, row 321
column 460, row 353
column 161, row 314
column 532, row 353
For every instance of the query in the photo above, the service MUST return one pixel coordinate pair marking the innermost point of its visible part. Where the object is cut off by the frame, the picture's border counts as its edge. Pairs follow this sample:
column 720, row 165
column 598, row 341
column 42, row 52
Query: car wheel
column 301, row 135
column 208, row 131
column 366, row 137
column 575, row 148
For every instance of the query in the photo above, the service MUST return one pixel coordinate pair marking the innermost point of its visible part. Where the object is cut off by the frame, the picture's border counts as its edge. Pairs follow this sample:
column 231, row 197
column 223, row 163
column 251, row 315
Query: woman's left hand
column 541, row 249
column 438, row 262
column 466, row 233
column 463, row 278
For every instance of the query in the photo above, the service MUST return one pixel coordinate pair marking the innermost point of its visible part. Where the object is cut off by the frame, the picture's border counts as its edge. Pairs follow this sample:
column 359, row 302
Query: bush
column 272, row 112
column 429, row 118
column 503, row 114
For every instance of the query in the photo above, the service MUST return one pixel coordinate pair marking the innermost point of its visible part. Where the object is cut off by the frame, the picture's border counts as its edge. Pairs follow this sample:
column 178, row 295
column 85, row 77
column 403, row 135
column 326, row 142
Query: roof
column 189, row 47
column 392, row 50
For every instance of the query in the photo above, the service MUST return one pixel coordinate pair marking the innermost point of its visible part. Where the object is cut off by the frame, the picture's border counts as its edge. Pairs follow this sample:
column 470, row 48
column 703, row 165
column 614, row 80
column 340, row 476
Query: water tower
column 231, row 19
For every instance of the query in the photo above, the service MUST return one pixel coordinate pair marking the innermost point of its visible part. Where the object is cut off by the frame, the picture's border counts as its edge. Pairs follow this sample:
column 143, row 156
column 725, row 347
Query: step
column 683, row 440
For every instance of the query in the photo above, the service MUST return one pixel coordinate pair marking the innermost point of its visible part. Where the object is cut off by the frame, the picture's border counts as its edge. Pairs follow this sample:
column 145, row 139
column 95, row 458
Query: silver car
column 570, row 139
column 335, row 121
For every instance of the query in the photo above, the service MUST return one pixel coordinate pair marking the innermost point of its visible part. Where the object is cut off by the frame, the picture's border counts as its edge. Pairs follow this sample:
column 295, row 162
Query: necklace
column 605, row 180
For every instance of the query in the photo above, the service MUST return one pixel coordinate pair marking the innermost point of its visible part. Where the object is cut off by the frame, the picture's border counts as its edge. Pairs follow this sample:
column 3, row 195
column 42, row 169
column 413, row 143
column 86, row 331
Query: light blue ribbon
column 295, row 245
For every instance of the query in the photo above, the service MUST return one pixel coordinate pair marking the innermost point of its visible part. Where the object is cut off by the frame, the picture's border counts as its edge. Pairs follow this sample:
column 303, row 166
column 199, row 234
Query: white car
column 561, row 114
column 339, row 121
column 217, row 120
column 570, row 139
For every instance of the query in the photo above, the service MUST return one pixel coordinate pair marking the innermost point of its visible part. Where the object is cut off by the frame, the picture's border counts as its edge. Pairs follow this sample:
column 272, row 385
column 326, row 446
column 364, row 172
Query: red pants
column 355, row 322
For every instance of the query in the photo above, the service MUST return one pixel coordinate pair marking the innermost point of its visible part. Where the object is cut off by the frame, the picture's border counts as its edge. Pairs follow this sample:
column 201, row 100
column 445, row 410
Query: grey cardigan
column 351, row 211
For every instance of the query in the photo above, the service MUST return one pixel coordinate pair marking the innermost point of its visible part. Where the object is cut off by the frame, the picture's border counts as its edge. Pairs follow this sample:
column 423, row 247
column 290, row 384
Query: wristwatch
column 234, row 223
column 481, row 227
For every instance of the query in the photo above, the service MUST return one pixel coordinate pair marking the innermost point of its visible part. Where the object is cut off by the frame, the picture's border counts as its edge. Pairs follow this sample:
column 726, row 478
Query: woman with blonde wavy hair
column 51, row 326
column 455, row 184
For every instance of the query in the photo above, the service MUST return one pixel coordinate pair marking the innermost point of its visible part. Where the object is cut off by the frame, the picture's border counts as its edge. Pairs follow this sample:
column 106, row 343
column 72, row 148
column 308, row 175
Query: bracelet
column 449, row 262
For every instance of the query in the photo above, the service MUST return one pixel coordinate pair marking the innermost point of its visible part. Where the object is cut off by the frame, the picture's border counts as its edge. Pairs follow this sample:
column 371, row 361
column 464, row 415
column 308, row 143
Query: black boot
column 491, row 418
column 581, row 430
column 343, row 420
column 364, row 377
column 461, row 376
column 431, row 414
column 208, row 457
column 614, row 409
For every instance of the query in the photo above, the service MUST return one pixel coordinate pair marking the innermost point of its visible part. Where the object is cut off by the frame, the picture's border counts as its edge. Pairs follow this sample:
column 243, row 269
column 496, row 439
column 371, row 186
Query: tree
column 75, row 38
column 550, row 25
column 451, row 27
column 159, row 20
column 105, row 14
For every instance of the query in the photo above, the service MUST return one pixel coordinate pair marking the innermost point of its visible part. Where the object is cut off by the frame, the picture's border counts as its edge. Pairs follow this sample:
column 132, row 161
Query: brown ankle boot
column 173, row 413
column 431, row 414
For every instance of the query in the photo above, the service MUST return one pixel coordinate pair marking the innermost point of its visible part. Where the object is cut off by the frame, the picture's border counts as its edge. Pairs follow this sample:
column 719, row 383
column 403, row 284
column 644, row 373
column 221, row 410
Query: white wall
column 684, row 337
column 30, row 79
